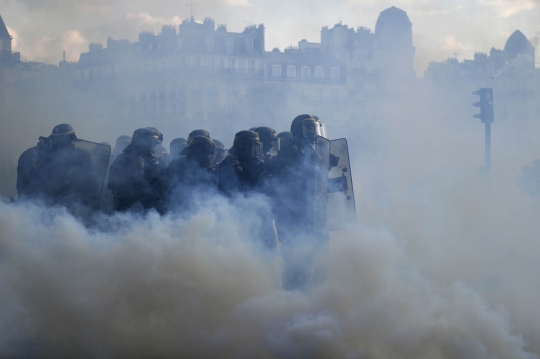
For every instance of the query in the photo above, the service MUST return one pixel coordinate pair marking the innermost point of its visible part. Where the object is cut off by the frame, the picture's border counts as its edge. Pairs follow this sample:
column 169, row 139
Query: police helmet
column 120, row 145
column 269, row 140
column 307, row 127
column 202, row 149
column 284, row 137
column 197, row 133
column 160, row 135
column 62, row 135
column 123, row 140
column 146, row 140
column 177, row 145
column 247, row 144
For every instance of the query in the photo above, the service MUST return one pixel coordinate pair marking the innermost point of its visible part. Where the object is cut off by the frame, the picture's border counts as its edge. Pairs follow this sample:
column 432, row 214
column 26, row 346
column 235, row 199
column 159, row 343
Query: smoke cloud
column 201, row 286
column 442, row 263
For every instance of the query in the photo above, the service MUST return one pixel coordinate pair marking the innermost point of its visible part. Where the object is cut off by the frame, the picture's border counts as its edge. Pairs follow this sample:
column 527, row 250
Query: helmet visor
column 211, row 160
column 256, row 150
column 155, row 147
column 312, row 128
column 275, row 146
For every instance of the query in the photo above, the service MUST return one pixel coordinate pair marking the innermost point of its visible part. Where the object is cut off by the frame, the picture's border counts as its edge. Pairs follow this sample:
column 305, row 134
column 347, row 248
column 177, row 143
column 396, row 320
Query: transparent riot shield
column 322, row 150
column 100, row 155
column 341, row 205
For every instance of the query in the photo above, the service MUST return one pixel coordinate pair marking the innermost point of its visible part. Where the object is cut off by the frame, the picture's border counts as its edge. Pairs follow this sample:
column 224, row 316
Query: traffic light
column 485, row 104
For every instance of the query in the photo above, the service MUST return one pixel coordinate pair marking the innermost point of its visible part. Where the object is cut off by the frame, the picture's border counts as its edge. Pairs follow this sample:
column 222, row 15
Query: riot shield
column 100, row 155
column 341, row 205
column 322, row 150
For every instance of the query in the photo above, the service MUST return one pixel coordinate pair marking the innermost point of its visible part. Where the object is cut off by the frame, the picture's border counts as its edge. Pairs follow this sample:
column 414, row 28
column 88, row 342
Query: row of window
column 248, row 45
column 179, row 108
column 306, row 72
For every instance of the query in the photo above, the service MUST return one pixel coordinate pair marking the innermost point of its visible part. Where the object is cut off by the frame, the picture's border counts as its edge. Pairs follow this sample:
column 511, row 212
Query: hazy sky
column 42, row 29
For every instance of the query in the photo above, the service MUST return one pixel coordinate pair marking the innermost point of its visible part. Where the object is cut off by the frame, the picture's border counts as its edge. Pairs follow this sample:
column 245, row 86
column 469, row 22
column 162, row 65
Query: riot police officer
column 176, row 146
column 106, row 205
column 284, row 138
column 193, row 174
column 241, row 171
column 119, row 146
column 163, row 157
column 62, row 174
column 136, row 177
column 198, row 132
column 299, row 180
column 270, row 142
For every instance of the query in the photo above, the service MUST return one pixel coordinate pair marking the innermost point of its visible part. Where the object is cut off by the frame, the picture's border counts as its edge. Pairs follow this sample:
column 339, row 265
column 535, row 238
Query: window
column 249, row 46
column 319, row 93
column 211, row 62
column 251, row 65
column 230, row 64
column 334, row 73
column 305, row 72
column 276, row 71
column 291, row 71
column 319, row 72
column 197, row 61
column 335, row 93
column 229, row 44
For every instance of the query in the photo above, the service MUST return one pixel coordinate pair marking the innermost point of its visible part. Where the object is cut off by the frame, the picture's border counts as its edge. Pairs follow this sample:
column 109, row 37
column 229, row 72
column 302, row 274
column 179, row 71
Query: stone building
column 510, row 72
column 202, row 72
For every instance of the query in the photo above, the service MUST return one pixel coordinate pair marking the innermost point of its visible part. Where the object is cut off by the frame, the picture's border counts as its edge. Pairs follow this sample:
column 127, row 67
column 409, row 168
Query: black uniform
column 193, row 175
column 28, row 181
column 299, row 182
column 242, row 171
column 57, row 172
column 136, row 178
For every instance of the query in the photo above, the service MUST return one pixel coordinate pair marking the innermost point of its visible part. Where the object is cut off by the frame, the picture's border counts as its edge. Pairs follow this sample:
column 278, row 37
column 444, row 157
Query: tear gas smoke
column 201, row 287
column 439, row 268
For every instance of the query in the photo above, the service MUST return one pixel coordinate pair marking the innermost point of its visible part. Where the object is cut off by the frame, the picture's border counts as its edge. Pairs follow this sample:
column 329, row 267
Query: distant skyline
column 42, row 30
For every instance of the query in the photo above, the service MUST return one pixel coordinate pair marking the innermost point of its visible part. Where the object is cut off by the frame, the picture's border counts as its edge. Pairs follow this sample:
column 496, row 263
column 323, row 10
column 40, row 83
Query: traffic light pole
column 486, row 117
column 488, row 149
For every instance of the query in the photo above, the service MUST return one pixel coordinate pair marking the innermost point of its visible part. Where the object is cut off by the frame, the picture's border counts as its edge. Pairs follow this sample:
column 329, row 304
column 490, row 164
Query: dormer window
column 306, row 72
column 319, row 72
column 334, row 73
column 276, row 71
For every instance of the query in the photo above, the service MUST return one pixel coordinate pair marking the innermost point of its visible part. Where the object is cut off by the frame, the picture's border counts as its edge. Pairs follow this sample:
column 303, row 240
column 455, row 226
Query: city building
column 200, row 71
column 511, row 72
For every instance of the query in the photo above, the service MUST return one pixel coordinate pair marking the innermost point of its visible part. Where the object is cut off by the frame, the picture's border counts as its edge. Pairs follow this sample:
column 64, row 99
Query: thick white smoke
column 441, row 265
column 445, row 278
